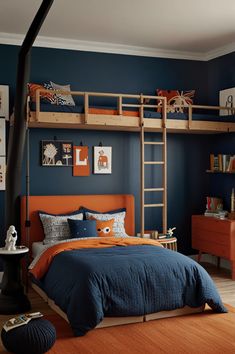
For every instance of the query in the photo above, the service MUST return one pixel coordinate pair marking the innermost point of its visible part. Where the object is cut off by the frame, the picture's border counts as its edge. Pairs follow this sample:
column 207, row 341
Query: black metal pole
column 18, row 128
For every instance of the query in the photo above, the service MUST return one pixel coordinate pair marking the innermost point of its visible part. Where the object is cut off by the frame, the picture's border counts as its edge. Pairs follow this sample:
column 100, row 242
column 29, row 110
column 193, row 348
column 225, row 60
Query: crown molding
column 218, row 52
column 102, row 47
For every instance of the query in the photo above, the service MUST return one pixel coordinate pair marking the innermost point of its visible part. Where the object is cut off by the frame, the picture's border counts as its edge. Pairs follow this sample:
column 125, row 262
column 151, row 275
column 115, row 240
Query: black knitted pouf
column 36, row 337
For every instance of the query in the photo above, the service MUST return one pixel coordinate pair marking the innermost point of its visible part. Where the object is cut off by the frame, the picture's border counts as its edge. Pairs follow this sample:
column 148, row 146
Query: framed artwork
column 102, row 159
column 4, row 101
column 2, row 173
column 81, row 166
column 2, row 137
column 57, row 153
column 227, row 99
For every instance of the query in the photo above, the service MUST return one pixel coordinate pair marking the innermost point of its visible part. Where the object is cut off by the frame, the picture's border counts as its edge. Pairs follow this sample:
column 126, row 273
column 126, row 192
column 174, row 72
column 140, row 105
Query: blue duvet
column 89, row 284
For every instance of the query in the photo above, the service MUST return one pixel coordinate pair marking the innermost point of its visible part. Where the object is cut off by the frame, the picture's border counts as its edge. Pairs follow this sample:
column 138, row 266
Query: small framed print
column 2, row 137
column 102, row 159
column 4, row 102
column 2, row 173
column 227, row 99
column 57, row 153
column 81, row 166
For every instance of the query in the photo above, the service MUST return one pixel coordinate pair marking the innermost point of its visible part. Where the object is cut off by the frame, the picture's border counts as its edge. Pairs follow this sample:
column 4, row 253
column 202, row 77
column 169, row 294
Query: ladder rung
column 153, row 205
column 154, row 162
column 153, row 189
column 154, row 143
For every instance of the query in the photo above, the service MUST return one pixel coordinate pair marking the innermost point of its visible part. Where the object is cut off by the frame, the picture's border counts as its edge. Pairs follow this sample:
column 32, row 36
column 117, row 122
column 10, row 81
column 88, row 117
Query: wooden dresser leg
column 199, row 256
column 233, row 269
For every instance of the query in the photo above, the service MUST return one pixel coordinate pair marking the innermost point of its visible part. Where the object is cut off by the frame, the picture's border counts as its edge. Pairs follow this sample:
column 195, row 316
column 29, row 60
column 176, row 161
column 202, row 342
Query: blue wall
column 188, row 183
column 221, row 75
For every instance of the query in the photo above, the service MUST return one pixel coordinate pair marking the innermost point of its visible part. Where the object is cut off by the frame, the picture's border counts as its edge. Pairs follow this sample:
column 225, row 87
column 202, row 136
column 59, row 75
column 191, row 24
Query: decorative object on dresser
column 57, row 153
column 231, row 215
column 214, row 207
column 81, row 166
column 214, row 236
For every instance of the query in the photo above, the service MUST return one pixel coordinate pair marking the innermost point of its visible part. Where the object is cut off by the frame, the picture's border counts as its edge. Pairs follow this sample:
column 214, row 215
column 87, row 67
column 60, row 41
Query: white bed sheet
column 37, row 248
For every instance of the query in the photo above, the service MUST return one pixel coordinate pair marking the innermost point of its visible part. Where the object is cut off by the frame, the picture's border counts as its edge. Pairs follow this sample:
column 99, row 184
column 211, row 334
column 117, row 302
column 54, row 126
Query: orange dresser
column 214, row 236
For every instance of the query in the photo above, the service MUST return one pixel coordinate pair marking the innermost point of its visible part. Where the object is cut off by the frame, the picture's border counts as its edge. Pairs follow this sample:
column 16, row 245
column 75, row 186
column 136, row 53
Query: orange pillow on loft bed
column 175, row 98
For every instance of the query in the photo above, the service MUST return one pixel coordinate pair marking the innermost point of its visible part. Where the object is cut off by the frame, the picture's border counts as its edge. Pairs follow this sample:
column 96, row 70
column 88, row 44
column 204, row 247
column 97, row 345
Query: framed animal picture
column 57, row 153
column 102, row 160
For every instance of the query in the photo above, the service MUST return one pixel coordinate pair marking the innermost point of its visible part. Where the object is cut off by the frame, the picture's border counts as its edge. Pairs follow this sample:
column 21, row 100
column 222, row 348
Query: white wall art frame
column 4, row 102
column 102, row 160
column 227, row 99
column 2, row 173
column 2, row 137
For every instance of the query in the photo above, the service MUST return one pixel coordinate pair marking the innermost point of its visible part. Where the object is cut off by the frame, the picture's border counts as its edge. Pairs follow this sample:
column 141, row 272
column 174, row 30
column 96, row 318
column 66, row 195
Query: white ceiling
column 191, row 29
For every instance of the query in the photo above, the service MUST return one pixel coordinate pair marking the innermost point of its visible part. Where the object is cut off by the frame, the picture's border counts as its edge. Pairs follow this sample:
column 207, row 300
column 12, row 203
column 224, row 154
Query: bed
column 100, row 294
column 124, row 114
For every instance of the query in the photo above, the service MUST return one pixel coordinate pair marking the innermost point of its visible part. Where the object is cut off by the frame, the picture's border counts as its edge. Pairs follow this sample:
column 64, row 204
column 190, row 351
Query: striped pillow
column 46, row 96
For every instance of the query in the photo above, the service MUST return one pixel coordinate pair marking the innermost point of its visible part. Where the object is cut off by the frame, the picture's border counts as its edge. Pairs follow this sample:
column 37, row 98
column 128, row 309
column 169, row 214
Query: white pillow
column 63, row 99
column 119, row 221
column 56, row 227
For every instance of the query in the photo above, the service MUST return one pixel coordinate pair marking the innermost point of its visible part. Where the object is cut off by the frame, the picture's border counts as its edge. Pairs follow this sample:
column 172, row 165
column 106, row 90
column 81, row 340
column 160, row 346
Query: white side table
column 12, row 297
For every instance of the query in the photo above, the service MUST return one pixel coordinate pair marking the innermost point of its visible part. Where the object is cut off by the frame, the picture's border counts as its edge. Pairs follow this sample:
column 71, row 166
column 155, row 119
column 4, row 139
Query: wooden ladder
column 163, row 165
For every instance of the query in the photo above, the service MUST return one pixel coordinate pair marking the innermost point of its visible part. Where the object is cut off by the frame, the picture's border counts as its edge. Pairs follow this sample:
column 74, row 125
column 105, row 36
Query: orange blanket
column 46, row 258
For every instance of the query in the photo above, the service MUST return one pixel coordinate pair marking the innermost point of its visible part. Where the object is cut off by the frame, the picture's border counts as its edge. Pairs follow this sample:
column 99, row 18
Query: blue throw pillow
column 82, row 228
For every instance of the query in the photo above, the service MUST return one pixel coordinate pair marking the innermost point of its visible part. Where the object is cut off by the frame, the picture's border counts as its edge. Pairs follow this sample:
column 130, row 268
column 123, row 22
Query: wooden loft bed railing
column 120, row 120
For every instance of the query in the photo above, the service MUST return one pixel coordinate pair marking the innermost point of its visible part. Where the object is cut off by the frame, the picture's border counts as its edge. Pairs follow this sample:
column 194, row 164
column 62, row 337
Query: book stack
column 222, row 163
column 222, row 214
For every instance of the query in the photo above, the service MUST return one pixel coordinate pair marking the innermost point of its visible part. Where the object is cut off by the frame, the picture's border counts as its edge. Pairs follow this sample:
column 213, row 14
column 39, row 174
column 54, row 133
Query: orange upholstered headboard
column 63, row 204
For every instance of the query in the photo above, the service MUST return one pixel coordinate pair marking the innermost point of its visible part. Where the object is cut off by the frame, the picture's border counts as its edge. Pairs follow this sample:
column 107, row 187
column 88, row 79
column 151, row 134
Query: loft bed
column 125, row 114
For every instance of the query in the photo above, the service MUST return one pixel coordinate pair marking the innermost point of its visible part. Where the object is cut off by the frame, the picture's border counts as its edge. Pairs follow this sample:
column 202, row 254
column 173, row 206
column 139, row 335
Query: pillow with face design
column 105, row 228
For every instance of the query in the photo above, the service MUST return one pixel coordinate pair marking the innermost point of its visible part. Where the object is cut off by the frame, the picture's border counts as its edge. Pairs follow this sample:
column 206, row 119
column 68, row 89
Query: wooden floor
column 222, row 279
column 223, row 282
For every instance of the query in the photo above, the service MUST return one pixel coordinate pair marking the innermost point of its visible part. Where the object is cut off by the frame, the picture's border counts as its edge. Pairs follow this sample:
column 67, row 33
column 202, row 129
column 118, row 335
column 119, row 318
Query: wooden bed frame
column 65, row 204
column 120, row 120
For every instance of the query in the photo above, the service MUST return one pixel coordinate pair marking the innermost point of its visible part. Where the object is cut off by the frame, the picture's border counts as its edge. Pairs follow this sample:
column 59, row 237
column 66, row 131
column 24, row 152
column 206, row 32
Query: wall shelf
column 227, row 172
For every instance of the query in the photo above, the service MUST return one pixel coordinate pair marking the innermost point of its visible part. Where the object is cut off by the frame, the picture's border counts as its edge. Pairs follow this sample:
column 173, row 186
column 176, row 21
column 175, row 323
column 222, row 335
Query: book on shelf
column 231, row 165
column 222, row 163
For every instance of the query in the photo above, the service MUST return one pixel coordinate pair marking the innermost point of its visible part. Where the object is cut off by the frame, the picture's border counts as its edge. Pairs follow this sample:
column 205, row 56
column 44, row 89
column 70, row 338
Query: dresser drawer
column 210, row 236
column 212, row 248
column 211, row 224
